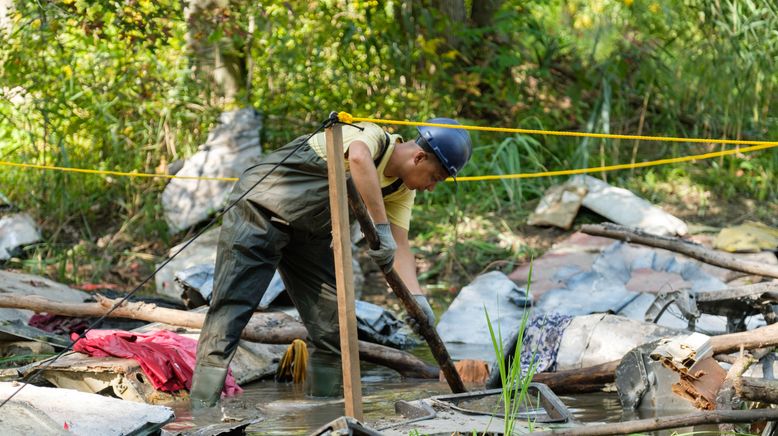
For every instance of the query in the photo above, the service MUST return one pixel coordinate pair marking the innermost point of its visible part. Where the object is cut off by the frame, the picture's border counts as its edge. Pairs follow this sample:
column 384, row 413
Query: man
column 284, row 223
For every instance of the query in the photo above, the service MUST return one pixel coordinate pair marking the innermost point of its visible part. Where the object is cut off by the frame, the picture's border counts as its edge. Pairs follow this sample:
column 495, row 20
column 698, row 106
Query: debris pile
column 660, row 316
column 671, row 320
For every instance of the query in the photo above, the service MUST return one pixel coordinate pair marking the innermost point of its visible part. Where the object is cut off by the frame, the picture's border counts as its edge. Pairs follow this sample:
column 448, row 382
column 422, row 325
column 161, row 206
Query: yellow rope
column 348, row 118
column 113, row 173
column 620, row 166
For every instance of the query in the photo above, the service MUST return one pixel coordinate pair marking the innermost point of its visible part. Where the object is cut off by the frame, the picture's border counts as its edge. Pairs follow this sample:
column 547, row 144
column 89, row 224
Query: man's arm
column 404, row 262
column 405, row 266
column 365, row 176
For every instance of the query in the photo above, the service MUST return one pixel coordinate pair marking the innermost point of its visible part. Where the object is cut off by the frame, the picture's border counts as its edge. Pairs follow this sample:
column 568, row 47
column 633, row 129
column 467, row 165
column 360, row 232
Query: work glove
column 384, row 255
column 421, row 300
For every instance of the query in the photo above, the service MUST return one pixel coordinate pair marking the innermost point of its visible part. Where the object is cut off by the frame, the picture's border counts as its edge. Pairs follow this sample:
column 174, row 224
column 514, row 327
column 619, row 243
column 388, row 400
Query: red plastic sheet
column 167, row 358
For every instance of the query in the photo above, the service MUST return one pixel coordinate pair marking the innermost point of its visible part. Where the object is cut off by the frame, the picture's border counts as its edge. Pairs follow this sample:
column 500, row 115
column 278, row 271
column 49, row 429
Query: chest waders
column 283, row 224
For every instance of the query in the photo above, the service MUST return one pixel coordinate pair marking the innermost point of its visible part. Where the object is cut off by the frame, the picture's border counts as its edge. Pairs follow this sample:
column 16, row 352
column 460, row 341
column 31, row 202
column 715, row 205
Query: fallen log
column 757, row 389
column 269, row 328
column 579, row 381
column 668, row 422
column 264, row 327
column 677, row 245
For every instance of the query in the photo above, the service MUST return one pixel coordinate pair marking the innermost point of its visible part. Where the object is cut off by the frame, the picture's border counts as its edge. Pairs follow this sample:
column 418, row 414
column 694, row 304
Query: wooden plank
column 341, row 246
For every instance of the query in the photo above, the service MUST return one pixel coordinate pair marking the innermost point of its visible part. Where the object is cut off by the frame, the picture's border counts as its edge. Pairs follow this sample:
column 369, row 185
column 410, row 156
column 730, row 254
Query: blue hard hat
column 452, row 146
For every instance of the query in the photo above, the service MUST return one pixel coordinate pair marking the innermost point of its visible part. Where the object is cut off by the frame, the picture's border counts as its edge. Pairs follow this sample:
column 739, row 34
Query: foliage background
column 110, row 85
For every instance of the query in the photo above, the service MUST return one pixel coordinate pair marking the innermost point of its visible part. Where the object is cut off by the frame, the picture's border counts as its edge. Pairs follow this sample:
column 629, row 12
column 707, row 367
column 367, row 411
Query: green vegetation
column 514, row 379
column 111, row 85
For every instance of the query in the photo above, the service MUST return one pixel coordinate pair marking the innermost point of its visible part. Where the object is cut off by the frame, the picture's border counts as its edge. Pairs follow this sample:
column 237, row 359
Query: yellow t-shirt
column 398, row 204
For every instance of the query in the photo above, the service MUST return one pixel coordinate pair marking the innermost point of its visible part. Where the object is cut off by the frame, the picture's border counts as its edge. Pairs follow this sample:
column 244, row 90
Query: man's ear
column 419, row 156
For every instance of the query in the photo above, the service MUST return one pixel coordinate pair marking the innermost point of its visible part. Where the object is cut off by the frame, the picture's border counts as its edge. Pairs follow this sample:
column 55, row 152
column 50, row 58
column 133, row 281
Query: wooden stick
column 344, row 276
column 668, row 422
column 264, row 327
column 761, row 337
column 727, row 389
column 681, row 246
column 742, row 363
column 754, row 292
column 428, row 332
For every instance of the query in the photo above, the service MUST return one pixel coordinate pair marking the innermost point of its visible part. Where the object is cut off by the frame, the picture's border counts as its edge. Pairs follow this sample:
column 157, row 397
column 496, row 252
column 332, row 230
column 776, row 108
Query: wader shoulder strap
column 390, row 189
column 382, row 153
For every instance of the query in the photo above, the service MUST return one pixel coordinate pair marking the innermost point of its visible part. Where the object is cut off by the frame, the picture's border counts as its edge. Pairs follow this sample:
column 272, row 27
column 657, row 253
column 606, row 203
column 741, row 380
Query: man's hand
column 384, row 255
column 421, row 300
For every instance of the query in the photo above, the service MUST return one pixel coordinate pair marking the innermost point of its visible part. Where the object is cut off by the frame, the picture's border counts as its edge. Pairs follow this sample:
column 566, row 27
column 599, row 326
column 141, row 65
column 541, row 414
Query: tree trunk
column 218, row 61
column 453, row 9
column 483, row 12
column 680, row 246
column 6, row 7
column 269, row 328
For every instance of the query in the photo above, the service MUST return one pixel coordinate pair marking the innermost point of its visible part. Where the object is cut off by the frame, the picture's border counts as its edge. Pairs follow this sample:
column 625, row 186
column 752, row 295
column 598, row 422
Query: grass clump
column 515, row 381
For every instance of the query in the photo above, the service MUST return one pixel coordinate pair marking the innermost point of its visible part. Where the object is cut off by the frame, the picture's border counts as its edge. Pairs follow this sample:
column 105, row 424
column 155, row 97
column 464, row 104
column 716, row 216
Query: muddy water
column 286, row 410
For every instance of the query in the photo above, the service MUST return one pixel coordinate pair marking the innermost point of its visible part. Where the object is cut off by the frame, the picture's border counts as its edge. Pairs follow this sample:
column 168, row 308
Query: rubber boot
column 325, row 375
column 207, row 384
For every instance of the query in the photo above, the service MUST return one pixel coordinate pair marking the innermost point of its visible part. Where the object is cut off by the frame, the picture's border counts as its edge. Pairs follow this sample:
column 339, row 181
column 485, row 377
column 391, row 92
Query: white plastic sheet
column 16, row 230
column 231, row 147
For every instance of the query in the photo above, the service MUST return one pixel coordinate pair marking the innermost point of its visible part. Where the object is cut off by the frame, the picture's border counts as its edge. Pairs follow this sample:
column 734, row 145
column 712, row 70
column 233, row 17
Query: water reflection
column 596, row 408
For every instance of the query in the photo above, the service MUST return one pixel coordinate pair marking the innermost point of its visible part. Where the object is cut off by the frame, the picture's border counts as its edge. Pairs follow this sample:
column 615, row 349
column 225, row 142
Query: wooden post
column 341, row 247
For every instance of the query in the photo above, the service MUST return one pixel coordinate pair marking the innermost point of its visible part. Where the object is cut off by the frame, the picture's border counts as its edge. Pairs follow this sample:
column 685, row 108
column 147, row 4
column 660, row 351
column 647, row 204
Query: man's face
column 427, row 173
